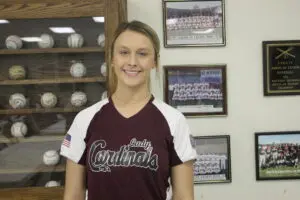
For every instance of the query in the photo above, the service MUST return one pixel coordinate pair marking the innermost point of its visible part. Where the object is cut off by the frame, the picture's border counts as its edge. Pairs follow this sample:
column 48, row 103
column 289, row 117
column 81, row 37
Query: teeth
column 131, row 72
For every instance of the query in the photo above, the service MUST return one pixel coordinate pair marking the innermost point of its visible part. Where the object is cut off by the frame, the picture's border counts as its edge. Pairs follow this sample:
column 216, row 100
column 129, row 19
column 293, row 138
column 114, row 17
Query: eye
column 142, row 53
column 123, row 52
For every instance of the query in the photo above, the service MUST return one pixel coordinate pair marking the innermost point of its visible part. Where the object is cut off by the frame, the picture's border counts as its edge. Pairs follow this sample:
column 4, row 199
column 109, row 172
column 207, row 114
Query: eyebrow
column 143, row 48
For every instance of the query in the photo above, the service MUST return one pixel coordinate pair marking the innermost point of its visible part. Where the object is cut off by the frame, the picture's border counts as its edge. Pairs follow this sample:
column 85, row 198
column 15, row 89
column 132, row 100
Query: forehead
column 133, row 40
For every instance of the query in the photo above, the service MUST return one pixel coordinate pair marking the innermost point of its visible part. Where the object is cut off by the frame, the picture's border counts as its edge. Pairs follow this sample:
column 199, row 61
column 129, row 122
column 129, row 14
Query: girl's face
column 133, row 59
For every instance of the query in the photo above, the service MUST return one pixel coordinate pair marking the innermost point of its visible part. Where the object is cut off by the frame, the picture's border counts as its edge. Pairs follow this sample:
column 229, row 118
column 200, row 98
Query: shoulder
column 167, row 110
column 173, row 116
column 88, row 113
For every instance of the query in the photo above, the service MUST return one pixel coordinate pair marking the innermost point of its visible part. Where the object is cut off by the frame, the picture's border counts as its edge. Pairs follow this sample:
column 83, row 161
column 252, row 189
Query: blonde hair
column 138, row 27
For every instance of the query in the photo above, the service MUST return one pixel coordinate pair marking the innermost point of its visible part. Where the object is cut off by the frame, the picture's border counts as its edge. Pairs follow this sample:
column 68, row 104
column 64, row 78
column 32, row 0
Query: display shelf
column 23, row 174
column 39, row 138
column 41, row 168
column 53, row 81
column 38, row 110
column 51, row 50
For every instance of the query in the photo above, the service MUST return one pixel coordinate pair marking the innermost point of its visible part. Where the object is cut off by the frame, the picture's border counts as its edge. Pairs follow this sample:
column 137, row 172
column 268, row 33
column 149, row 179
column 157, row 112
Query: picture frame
column 277, row 155
column 196, row 90
column 213, row 163
column 194, row 23
column 281, row 67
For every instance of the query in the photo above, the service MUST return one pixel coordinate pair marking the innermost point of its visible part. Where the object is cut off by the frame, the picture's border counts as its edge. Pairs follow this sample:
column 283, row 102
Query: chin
column 134, row 84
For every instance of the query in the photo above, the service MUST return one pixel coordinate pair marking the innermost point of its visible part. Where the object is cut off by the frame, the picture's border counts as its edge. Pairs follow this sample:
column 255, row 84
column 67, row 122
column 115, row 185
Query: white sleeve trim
column 182, row 141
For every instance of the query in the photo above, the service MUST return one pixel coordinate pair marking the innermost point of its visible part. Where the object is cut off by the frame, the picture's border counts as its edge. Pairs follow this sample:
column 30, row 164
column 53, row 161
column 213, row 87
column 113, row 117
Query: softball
column 18, row 129
column 51, row 157
column 52, row 184
column 75, row 40
column 101, row 40
column 78, row 99
column 103, row 69
column 17, row 100
column 13, row 42
column 16, row 72
column 48, row 100
column 46, row 41
column 78, row 70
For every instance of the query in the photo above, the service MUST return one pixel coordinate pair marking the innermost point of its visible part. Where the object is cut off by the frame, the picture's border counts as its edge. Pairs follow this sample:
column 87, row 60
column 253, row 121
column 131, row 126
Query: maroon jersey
column 129, row 158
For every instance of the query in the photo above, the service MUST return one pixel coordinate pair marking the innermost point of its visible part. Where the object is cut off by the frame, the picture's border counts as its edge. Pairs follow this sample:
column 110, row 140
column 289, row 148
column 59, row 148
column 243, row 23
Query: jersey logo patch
column 135, row 154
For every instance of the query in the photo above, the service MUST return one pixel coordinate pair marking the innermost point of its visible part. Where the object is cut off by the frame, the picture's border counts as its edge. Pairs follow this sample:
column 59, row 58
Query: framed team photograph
column 196, row 90
column 277, row 155
column 213, row 163
column 194, row 23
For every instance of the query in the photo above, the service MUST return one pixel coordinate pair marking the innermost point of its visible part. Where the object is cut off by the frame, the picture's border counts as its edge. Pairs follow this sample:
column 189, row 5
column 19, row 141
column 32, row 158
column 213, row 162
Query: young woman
column 131, row 145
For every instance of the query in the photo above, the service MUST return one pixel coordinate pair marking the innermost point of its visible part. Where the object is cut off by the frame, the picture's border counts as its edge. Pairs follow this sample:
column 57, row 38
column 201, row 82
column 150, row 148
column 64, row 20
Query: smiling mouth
column 131, row 72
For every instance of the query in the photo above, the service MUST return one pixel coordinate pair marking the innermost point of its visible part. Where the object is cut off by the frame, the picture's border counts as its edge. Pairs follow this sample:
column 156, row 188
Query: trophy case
column 52, row 65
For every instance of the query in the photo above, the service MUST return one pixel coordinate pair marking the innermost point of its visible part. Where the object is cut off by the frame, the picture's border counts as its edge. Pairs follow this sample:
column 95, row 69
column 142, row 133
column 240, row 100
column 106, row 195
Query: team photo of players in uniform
column 194, row 23
column 277, row 155
column 196, row 90
column 213, row 159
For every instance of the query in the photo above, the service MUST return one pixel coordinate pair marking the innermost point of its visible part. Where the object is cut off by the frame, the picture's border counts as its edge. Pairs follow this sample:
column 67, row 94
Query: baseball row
column 74, row 40
column 77, row 70
column 49, row 99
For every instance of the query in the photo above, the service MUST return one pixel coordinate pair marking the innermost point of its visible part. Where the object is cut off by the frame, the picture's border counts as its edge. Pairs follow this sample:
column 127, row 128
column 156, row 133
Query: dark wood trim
column 38, row 193
column 58, row 9
column 38, row 110
column 53, row 81
column 52, row 50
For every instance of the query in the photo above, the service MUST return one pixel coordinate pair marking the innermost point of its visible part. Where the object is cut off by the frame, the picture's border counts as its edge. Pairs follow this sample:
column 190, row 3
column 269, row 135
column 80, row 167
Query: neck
column 131, row 95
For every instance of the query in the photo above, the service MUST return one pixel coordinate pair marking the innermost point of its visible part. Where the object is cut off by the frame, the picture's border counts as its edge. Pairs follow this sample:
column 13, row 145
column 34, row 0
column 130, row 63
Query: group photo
column 278, row 155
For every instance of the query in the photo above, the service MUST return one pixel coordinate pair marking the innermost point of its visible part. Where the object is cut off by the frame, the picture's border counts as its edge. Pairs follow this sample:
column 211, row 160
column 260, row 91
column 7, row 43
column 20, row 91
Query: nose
column 132, row 60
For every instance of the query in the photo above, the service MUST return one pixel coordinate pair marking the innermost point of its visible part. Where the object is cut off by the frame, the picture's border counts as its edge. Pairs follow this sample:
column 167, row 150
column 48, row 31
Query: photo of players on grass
column 196, row 90
column 194, row 23
column 277, row 155
column 213, row 159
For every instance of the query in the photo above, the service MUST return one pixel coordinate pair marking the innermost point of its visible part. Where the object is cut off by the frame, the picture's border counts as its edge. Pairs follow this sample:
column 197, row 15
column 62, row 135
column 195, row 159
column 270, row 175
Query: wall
column 248, row 23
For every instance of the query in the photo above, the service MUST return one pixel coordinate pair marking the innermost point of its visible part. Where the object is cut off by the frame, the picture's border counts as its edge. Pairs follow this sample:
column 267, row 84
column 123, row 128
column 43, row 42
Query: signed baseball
column 78, row 70
column 17, row 100
column 46, row 41
column 51, row 157
column 18, row 129
column 13, row 42
column 16, row 72
column 52, row 184
column 78, row 99
column 48, row 100
column 75, row 40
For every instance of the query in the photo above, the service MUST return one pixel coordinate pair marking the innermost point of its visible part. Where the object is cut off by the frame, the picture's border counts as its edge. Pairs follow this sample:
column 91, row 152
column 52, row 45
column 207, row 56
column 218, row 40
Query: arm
column 182, row 181
column 75, row 181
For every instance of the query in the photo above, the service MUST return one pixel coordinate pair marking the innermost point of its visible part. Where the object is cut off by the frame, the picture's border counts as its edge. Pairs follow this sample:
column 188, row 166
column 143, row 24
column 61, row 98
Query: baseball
column 78, row 70
column 51, row 157
column 103, row 69
column 48, row 100
column 75, row 40
column 18, row 129
column 104, row 95
column 46, row 41
column 78, row 99
column 16, row 72
column 13, row 42
column 17, row 100
column 101, row 40
column 52, row 184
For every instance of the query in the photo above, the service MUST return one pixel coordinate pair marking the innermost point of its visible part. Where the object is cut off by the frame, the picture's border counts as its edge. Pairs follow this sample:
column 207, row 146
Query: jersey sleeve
column 73, row 146
column 183, row 148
